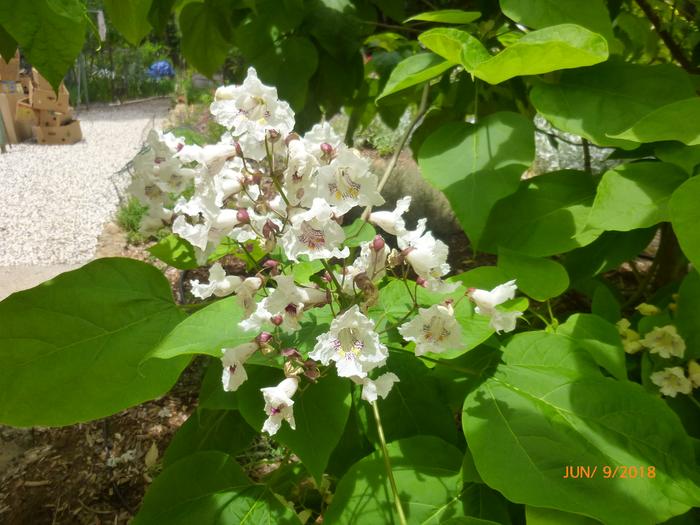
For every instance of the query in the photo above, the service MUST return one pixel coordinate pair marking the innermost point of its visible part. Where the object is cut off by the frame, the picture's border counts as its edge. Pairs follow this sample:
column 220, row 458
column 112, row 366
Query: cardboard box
column 26, row 81
column 10, row 70
column 26, row 117
column 48, row 99
column 68, row 134
column 49, row 118
column 8, row 109
column 40, row 81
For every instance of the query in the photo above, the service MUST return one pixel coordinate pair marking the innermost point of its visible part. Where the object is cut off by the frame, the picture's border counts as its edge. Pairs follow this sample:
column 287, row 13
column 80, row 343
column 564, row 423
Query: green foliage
column 63, row 336
column 130, row 17
column 210, row 487
column 129, row 218
column 547, row 404
column 537, row 277
column 684, row 215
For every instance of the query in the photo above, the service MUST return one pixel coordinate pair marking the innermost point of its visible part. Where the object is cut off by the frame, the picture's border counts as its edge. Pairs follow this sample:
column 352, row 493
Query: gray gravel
column 55, row 200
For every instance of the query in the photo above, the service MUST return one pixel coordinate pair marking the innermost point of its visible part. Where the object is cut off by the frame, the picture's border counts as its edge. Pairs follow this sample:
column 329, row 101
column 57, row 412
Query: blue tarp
column 160, row 69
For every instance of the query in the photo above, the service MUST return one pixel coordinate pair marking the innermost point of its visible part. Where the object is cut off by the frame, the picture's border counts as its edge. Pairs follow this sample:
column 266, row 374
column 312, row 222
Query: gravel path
column 55, row 200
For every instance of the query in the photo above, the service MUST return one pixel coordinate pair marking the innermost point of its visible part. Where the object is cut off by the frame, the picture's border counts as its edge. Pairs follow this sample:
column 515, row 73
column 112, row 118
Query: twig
column 676, row 51
column 586, row 155
column 422, row 108
column 387, row 465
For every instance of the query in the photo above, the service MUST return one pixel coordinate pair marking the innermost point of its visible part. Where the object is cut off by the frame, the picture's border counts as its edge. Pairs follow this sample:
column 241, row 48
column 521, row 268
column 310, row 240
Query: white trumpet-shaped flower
column 392, row 221
column 427, row 256
column 375, row 388
column 219, row 283
column 352, row 344
column 434, row 329
column 314, row 233
column 322, row 137
column 232, row 362
column 347, row 182
column 279, row 405
column 487, row 302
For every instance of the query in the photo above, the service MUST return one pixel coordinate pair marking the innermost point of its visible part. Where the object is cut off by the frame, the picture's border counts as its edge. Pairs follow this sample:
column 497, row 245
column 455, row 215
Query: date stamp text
column 609, row 472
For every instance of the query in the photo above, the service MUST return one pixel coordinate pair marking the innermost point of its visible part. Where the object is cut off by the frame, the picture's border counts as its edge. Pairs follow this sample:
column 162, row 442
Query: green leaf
column 206, row 331
column 553, row 48
column 675, row 121
column 483, row 277
column 130, row 17
column 211, row 394
column 688, row 313
column 414, row 70
column 71, row 348
column 296, row 54
column 176, row 252
column 635, row 196
column 50, row 33
column 605, row 253
column 592, row 14
column 320, row 410
column 609, row 98
column 449, row 42
column 550, row 408
column 8, row 45
column 209, row 488
column 539, row 278
column 477, row 165
column 446, row 16
column 160, row 14
column 600, row 338
column 540, row 516
column 303, row 270
column 207, row 430
column 685, row 217
column 605, row 303
column 545, row 216
column 427, row 473
column 358, row 232
column 203, row 44
column 687, row 157
column 415, row 406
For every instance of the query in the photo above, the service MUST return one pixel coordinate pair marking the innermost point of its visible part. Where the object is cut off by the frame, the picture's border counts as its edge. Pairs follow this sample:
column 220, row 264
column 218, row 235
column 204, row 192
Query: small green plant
column 129, row 219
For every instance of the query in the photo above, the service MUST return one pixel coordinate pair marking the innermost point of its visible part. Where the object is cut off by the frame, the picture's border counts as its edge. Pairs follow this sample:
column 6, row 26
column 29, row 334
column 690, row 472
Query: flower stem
column 387, row 465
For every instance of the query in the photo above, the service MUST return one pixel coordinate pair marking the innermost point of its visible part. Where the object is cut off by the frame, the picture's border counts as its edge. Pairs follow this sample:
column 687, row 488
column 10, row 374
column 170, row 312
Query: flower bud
column 326, row 276
column 271, row 264
column 179, row 146
column 257, row 177
column 242, row 216
column 291, row 352
column 421, row 282
column 326, row 148
column 312, row 373
column 378, row 243
column 291, row 137
column 239, row 150
column 277, row 320
column 273, row 135
column 270, row 229
column 291, row 370
column 263, row 337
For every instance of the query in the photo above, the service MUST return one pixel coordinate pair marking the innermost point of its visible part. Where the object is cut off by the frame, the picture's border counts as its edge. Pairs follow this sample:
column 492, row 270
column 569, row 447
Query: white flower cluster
column 264, row 183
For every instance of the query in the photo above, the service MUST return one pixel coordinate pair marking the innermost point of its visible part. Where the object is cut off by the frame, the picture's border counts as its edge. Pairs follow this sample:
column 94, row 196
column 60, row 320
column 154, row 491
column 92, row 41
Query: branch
column 676, row 51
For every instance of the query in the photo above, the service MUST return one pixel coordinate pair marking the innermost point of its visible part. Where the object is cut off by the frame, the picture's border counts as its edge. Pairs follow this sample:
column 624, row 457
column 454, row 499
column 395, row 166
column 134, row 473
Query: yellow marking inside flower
column 344, row 187
column 348, row 343
column 435, row 330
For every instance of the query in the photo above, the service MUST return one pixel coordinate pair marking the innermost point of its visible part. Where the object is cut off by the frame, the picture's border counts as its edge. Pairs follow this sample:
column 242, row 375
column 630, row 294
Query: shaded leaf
column 537, row 277
column 446, row 16
column 685, row 217
column 130, row 17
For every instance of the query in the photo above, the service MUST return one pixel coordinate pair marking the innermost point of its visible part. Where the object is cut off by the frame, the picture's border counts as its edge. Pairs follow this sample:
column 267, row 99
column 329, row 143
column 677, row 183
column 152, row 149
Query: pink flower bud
column 270, row 229
column 327, row 276
column 421, row 282
column 179, row 146
column 291, row 352
column 277, row 320
column 271, row 263
column 264, row 337
column 242, row 216
column 326, row 148
column 273, row 135
column 312, row 373
column 239, row 150
column 378, row 243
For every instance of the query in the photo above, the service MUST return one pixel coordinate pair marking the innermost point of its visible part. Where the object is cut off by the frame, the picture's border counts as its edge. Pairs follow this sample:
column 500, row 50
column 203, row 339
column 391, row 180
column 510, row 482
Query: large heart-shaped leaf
column 209, row 488
column 320, row 411
column 71, row 348
column 635, row 196
column 537, row 277
column 553, row 48
column 685, row 217
column 609, row 98
column 674, row 121
column 203, row 44
column 206, row 332
column 591, row 14
column 427, row 474
column 446, row 16
column 477, row 165
column 546, row 216
column 50, row 33
column 414, row 70
column 130, row 17
column 550, row 408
